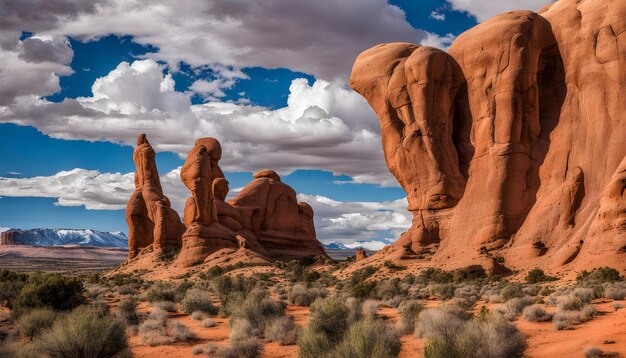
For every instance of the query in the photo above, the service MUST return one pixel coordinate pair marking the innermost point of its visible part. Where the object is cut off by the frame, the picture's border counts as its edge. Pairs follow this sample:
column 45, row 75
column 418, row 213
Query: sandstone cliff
column 512, row 144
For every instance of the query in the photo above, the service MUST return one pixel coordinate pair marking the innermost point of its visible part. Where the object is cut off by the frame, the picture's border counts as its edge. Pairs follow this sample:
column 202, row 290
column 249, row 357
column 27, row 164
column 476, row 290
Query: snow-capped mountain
column 58, row 237
column 334, row 246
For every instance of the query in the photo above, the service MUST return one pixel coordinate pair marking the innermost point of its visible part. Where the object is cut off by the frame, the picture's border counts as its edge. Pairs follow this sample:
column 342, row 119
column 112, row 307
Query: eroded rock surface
column 151, row 221
column 510, row 144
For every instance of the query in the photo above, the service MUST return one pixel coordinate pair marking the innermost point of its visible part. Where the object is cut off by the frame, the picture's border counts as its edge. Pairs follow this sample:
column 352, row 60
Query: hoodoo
column 512, row 144
column 264, row 217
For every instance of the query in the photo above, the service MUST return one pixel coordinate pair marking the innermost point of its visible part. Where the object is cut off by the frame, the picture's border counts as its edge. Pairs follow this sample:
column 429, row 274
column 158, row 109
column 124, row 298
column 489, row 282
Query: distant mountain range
column 59, row 237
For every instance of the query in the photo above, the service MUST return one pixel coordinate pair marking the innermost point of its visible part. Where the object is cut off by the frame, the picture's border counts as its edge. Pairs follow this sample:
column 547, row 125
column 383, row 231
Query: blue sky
column 52, row 121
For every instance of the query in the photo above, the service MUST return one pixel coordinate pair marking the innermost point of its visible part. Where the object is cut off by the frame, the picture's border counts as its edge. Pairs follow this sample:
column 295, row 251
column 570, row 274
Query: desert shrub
column 180, row 332
column 300, row 295
column 363, row 289
column 570, row 303
column 212, row 273
column 443, row 290
column 282, row 330
column 393, row 267
column 599, row 275
column 564, row 319
column 435, row 276
column 197, row 300
column 409, row 312
column 161, row 292
column 330, row 318
column 615, row 291
column 11, row 283
column 225, row 286
column 514, row 306
column 537, row 275
column 242, row 341
column 616, row 306
column 387, row 289
column 257, row 307
column 297, row 272
column 355, row 309
column 127, row 310
column 36, row 321
column 198, row 316
column 208, row 322
column 535, row 313
column 369, row 338
column 361, row 275
column 531, row 290
column 512, row 290
column 395, row 301
column 585, row 294
column 83, row 333
column 370, row 307
column 51, row 290
column 491, row 337
column 469, row 273
column 440, row 323
column 594, row 352
column 167, row 306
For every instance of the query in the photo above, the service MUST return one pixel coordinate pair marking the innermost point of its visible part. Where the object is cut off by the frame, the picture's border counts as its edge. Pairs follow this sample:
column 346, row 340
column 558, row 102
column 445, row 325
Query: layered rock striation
column 512, row 144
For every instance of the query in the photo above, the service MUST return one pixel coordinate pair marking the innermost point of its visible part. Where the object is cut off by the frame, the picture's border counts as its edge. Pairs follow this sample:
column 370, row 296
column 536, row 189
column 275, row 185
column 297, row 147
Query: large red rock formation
column 264, row 217
column 151, row 221
column 510, row 144
column 271, row 212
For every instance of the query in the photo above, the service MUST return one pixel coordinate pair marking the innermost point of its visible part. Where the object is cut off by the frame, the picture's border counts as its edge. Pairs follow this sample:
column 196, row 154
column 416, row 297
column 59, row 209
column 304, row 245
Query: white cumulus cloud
column 485, row 9
column 367, row 224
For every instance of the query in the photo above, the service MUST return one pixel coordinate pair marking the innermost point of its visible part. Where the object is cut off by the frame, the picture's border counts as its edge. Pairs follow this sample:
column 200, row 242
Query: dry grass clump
column 198, row 316
column 301, row 295
column 36, row 321
column 572, row 310
column 257, row 307
column 369, row 338
column 514, row 307
column 449, row 336
column 168, row 306
column 370, row 307
column 594, row 352
column 615, row 291
column 409, row 312
column 160, row 291
column 282, row 330
column 84, row 332
column 535, row 313
column 157, row 330
column 127, row 310
column 197, row 300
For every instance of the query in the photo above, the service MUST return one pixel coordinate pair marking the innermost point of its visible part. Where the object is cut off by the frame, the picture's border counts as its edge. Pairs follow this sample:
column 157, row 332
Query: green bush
column 36, row 321
column 83, row 333
column 161, row 291
column 369, row 338
column 512, row 290
column 50, row 290
column 537, row 275
column 297, row 272
column 363, row 289
column 433, row 275
column 361, row 275
column 599, row 275
column 469, row 273
column 11, row 283
column 329, row 317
